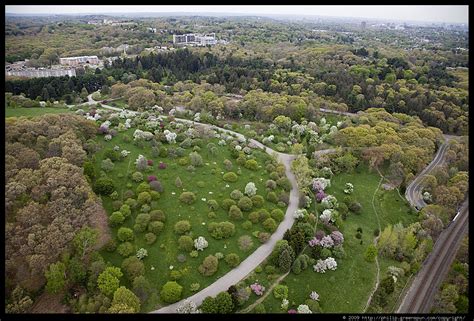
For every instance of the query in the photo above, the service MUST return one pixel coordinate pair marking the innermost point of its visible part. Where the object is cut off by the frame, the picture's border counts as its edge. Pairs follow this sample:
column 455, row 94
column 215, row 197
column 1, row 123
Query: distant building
column 153, row 30
column 77, row 61
column 363, row 24
column 195, row 39
column 38, row 73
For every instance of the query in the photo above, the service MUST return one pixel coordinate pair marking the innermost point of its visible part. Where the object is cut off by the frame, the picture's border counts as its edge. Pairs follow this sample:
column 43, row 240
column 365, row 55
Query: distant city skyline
column 435, row 13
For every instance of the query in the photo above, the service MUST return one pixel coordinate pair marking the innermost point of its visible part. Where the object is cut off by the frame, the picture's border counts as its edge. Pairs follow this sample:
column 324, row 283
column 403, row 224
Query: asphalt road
column 413, row 191
column 419, row 296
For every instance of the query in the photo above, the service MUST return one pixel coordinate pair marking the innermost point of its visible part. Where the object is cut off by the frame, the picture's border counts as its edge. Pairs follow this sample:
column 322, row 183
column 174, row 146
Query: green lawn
column 346, row 290
column 121, row 103
column 33, row 112
column 163, row 253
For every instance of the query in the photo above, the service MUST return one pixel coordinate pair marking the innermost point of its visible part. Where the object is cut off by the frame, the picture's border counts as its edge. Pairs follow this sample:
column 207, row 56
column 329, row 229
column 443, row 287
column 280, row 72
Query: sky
column 446, row 13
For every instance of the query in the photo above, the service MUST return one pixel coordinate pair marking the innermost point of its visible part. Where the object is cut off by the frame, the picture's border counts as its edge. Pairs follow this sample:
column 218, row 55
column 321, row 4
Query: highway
column 419, row 296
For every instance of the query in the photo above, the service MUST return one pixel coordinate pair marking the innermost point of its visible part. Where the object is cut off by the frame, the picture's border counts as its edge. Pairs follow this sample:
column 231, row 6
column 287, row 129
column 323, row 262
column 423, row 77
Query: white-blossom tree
column 303, row 308
column 187, row 307
column 170, row 137
column 142, row 253
column 329, row 201
column 300, row 213
column 348, row 188
column 250, row 189
column 314, row 296
column 200, row 243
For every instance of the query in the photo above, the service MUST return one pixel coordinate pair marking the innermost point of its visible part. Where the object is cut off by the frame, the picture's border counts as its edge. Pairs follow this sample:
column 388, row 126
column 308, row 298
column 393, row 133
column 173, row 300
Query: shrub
column 133, row 267
column 270, row 225
column 280, row 291
column 104, row 186
column 111, row 245
column 370, row 253
column 257, row 201
column 182, row 227
column 155, row 227
column 263, row 237
column 150, row 238
column 271, row 184
column 247, row 225
column 194, row 287
column 284, row 183
column 263, row 215
column 125, row 234
column 227, row 164
column 155, row 195
column 209, row 265
column 144, row 198
column 157, row 215
column 245, row 204
column 224, row 303
column 213, row 205
column 209, row 305
column 230, row 177
column 175, row 275
column 251, row 164
column 232, row 260
column 132, row 203
column 277, row 215
column 171, row 292
column 186, row 243
column 245, row 242
column 236, row 194
column 272, row 197
column 227, row 203
column 156, row 186
column 260, row 308
column 116, row 218
column 187, row 198
column 137, row 177
column 254, row 217
column 235, row 213
column 221, row 230
column 125, row 249
column 195, row 159
column 355, row 207
column 194, row 253
column 116, row 204
column 141, row 222
column 107, row 165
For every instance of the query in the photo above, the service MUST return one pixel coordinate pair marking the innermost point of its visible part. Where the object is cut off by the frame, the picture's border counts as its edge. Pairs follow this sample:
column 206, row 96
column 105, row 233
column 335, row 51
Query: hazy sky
column 458, row 14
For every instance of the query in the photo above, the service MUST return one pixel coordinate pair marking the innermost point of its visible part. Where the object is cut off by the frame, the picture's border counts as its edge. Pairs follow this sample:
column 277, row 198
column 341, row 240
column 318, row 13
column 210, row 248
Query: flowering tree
column 320, row 195
column 337, row 237
column 250, row 189
column 162, row 165
column 200, row 243
column 303, row 308
column 327, row 242
column 170, row 137
column 313, row 242
column 427, row 197
column 257, row 289
column 142, row 253
column 349, row 188
column 329, row 202
column 124, row 153
column 323, row 265
column 326, row 172
column 327, row 216
column 107, row 137
column 128, row 123
column 300, row 213
column 320, row 184
column 187, row 307
column 151, row 178
column 314, row 296
column 141, row 163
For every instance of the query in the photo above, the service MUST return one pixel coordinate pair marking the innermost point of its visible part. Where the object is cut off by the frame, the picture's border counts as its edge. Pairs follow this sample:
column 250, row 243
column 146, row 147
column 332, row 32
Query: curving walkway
column 261, row 253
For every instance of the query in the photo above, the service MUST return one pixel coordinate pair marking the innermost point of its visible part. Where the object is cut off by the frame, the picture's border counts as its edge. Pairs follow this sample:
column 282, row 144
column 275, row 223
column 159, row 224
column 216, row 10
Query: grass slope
column 33, row 112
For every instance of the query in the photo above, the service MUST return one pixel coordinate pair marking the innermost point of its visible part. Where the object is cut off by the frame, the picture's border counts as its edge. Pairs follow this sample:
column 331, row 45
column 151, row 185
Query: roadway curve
column 413, row 191
column 260, row 254
column 420, row 295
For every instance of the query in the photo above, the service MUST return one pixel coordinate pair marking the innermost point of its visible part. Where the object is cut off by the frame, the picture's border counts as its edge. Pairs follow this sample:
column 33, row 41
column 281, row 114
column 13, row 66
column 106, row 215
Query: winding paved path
column 413, row 191
column 260, row 254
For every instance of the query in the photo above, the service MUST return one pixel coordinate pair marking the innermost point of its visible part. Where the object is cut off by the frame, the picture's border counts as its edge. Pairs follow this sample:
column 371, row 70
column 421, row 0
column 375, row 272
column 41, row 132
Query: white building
column 195, row 39
column 76, row 61
column 38, row 73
